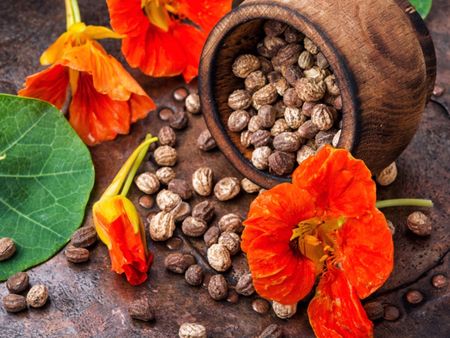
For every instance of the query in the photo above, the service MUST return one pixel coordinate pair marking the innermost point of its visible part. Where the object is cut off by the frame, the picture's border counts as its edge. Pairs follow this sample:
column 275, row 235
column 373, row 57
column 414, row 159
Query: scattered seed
column 178, row 262
column 37, row 296
column 174, row 243
column 18, row 282
column 261, row 306
column 14, row 303
column 146, row 201
column 439, row 281
column 232, row 297
column 84, row 237
column 180, row 94
column 391, row 313
column 194, row 275
column 419, row 224
column 7, row 248
column 374, row 310
column 218, row 287
column 272, row 331
column 192, row 330
column 141, row 310
column 414, row 297
column 165, row 114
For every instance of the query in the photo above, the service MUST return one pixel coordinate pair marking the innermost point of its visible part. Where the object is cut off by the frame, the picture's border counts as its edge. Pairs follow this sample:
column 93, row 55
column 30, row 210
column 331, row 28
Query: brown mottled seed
column 246, row 137
column 167, row 200
column 316, row 74
column 294, row 117
column 205, row 141
column 239, row 99
column 279, row 108
column 165, row 175
column 279, row 127
column 374, row 310
column 261, row 138
column 194, row 275
column 181, row 188
column 238, row 120
column 202, row 180
column 307, row 130
column 165, row 113
column 310, row 46
column 268, row 116
column 272, row 331
column 274, row 27
column 336, row 138
column 84, row 237
column 266, row 95
column 162, row 226
column 181, row 211
column 304, row 153
column 439, row 281
column 260, row 157
column 414, row 297
column 266, row 65
column 192, row 330
column 292, row 73
column 37, row 296
column 204, row 210
column 147, row 182
column 312, row 144
column 211, row 236
column 76, row 255
column 141, row 309
column 281, row 163
column 219, row 257
column 309, row 89
column 192, row 103
column 14, row 303
column 227, row 188
column 273, row 44
column 337, row 103
column 260, row 306
column 321, row 61
column 291, row 99
column 305, row 60
column 179, row 120
column 332, row 87
column 287, row 141
column 18, row 282
column 284, row 311
column 230, row 223
column 7, row 248
column 178, row 262
column 263, row 51
column 167, row 136
column 287, row 55
column 391, row 313
column 255, row 123
column 292, row 35
column 180, row 94
column 165, row 156
column 281, row 86
column 249, row 187
column 244, row 285
column 218, row 287
column 307, row 108
column 194, row 227
column 419, row 224
column 324, row 137
column 388, row 175
column 274, row 76
column 245, row 64
column 254, row 81
column 231, row 241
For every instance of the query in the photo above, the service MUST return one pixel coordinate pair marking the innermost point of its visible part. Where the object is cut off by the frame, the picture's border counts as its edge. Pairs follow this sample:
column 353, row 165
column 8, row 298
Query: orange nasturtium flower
column 324, row 224
column 165, row 37
column 105, row 98
column 118, row 223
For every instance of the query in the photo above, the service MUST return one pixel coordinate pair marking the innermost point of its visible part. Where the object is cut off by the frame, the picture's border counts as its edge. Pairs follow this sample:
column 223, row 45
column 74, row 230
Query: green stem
column 404, row 202
column 140, row 157
column 72, row 12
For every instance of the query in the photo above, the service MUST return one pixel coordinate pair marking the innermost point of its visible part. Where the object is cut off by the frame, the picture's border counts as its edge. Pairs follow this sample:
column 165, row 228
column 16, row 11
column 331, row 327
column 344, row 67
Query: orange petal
column 366, row 251
column 205, row 13
column 278, row 273
column 56, row 49
column 341, row 184
column 335, row 311
column 127, row 17
column 49, row 85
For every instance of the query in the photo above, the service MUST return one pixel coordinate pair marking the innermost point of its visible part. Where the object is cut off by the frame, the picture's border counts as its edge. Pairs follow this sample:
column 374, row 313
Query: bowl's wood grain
column 380, row 52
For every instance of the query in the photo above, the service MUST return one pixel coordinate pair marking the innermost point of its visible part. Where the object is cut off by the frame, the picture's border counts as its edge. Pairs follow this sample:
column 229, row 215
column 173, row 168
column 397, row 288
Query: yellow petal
column 55, row 51
column 100, row 32
column 132, row 213
column 157, row 14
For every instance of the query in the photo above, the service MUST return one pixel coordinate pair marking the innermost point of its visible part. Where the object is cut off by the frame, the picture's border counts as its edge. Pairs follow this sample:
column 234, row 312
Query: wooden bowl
column 380, row 52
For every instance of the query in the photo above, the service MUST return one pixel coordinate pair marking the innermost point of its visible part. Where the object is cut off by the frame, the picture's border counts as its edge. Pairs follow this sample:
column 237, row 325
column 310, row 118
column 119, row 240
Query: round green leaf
column 46, row 176
column 422, row 6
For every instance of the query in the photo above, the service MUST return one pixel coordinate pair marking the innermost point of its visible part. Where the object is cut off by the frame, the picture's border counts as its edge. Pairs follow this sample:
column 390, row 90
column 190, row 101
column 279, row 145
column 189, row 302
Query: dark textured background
column 89, row 300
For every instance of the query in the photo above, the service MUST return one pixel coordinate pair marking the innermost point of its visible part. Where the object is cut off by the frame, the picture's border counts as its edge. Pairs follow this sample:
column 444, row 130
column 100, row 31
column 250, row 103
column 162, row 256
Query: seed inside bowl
column 289, row 104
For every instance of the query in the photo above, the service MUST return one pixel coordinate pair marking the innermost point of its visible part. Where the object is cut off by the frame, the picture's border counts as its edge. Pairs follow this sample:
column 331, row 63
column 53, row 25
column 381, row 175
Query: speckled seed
column 244, row 285
column 84, row 237
column 305, row 60
column 274, row 27
column 165, row 156
column 309, row 89
column 281, row 86
column 141, row 309
column 287, row 141
column 324, row 137
column 310, row 46
column 374, row 310
column 165, row 175
column 204, row 210
column 391, row 227
column 279, row 127
column 179, row 120
column 231, row 241
column 294, row 117
column 37, row 296
column 167, row 136
column 178, row 262
column 218, row 287
column 249, row 187
column 391, row 313
column 165, row 114
column 255, row 123
column 202, row 180
column 192, row 330
column 14, row 303
column 414, row 297
column 245, row 64
column 292, row 73
column 255, row 81
column 18, row 282
column 147, row 182
column 194, row 227
column 387, row 175
column 219, row 257
column 284, row 311
column 307, row 108
column 272, row 331
column 239, row 99
column 230, row 222
column 438, row 90
column 76, row 255
column 167, row 200
column 273, row 44
column 304, row 153
column 323, row 116
column 192, row 103
column 439, row 281
column 261, row 306
column 419, row 224
column 7, row 248
column 292, row 35
column 287, row 55
column 181, row 188
column 332, row 87
column 162, row 226
column 261, row 138
column 205, row 141
column 211, row 236
column 281, row 163
column 194, row 275
column 316, row 74
column 246, row 137
column 291, row 99
column 146, row 201
column 308, row 130
column 266, row 65
column 227, row 188
column 266, row 95
column 321, row 61
column 268, row 116
column 181, row 211
column 238, row 120
column 260, row 157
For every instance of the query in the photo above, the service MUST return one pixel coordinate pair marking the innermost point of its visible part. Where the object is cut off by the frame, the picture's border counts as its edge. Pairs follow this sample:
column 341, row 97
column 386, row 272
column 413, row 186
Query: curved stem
column 404, row 202
column 72, row 12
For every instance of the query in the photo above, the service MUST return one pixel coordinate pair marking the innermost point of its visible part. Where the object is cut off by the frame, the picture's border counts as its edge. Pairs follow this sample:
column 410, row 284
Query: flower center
column 158, row 12
column 314, row 238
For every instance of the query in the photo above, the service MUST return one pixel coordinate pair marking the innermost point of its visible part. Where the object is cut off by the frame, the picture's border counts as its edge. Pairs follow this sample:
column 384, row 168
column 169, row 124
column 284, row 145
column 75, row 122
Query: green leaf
column 46, row 176
column 422, row 6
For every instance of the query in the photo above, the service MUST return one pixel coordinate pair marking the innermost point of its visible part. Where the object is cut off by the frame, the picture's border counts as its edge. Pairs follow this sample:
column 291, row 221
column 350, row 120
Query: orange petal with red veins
column 205, row 13
column 49, row 85
column 127, row 17
column 342, row 185
column 335, row 311
column 366, row 251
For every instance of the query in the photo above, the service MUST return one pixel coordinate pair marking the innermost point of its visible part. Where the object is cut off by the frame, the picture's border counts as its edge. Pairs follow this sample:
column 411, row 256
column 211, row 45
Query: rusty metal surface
column 89, row 300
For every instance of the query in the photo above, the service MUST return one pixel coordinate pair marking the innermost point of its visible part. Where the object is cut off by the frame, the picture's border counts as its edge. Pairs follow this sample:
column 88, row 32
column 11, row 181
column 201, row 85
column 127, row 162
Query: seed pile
column 289, row 104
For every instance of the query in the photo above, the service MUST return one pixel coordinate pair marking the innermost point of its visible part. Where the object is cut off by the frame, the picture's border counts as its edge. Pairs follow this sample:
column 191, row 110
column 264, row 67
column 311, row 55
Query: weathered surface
column 89, row 300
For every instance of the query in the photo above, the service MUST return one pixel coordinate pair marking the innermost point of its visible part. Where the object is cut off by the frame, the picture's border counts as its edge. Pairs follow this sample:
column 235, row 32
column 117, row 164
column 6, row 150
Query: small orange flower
column 165, row 37
column 118, row 224
column 323, row 224
column 105, row 98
